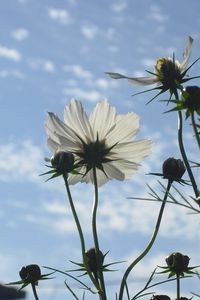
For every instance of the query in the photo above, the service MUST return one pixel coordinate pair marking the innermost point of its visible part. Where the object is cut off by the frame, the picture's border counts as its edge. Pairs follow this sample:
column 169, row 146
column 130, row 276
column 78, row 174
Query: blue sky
column 51, row 51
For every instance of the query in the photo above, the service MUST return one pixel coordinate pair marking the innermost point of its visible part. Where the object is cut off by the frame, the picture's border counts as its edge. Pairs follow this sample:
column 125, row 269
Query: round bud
column 63, row 161
column 177, row 263
column 30, row 273
column 173, row 169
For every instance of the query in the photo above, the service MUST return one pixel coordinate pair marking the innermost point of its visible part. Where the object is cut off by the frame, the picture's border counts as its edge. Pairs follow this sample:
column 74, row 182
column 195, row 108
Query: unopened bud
column 160, row 297
column 173, row 169
column 30, row 273
column 191, row 98
column 95, row 261
column 177, row 263
column 63, row 161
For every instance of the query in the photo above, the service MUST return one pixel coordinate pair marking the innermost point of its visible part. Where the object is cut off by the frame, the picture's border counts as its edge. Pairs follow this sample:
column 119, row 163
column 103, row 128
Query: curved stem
column 195, row 129
column 34, row 291
column 95, row 235
column 75, row 217
column 183, row 153
column 147, row 249
column 80, row 232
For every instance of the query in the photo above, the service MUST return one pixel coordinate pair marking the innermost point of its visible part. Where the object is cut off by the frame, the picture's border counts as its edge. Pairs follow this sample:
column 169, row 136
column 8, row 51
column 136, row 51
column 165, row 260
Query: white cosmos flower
column 104, row 141
column 168, row 73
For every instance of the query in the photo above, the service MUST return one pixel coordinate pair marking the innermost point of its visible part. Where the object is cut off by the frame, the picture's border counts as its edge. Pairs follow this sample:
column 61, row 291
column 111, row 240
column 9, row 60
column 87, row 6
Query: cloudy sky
column 51, row 51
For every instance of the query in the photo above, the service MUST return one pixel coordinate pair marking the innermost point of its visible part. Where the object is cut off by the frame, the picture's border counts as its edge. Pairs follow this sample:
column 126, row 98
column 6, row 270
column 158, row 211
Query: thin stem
column 177, row 287
column 182, row 149
column 95, row 235
column 34, row 291
column 150, row 244
column 80, row 232
column 75, row 217
column 183, row 153
column 195, row 128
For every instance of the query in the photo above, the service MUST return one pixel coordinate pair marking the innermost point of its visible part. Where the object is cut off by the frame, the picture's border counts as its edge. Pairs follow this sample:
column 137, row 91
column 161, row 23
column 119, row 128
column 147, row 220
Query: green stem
column 150, row 244
column 95, row 235
column 195, row 129
column 34, row 291
column 75, row 217
column 80, row 232
column 177, row 287
column 183, row 153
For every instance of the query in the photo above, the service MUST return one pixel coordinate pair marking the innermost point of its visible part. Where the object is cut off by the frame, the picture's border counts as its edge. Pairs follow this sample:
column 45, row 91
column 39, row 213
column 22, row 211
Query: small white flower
column 104, row 141
column 169, row 73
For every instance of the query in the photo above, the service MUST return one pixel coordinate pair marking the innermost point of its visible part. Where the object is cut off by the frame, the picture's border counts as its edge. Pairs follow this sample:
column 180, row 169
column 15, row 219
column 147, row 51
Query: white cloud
column 119, row 6
column 10, row 53
column 78, row 71
column 156, row 14
column 82, row 94
column 11, row 73
column 61, row 16
column 20, row 34
column 20, row 162
column 42, row 64
column 89, row 31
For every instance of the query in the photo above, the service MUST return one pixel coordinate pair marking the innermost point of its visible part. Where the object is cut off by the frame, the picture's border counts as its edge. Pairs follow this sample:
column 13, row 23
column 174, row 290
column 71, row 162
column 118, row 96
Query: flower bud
column 30, row 273
column 177, row 263
column 160, row 297
column 95, row 261
column 63, row 161
column 191, row 98
column 173, row 169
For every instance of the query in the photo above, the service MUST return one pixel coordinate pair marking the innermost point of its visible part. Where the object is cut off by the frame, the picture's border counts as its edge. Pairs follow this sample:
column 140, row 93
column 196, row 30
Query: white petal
column 54, row 127
column 133, row 151
column 148, row 80
column 127, row 167
column 52, row 145
column 113, row 172
column 186, row 54
column 102, row 119
column 116, row 75
column 76, row 119
column 126, row 127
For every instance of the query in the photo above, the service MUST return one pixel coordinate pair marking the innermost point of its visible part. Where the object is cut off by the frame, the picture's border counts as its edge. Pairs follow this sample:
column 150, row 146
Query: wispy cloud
column 20, row 162
column 20, row 34
column 42, row 64
column 11, row 73
column 157, row 15
column 82, row 94
column 10, row 53
column 78, row 71
column 89, row 31
column 61, row 16
column 119, row 6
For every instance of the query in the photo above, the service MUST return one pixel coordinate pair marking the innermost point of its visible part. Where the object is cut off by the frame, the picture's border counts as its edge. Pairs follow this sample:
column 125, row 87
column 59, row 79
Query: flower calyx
column 62, row 163
column 189, row 102
column 30, row 274
column 177, row 265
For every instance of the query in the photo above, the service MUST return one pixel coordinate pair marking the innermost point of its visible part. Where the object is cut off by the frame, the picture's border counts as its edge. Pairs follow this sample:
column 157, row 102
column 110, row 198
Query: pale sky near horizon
column 50, row 52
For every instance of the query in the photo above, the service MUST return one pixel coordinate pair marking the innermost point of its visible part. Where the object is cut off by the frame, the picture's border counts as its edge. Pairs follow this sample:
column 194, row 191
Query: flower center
column 168, row 72
column 94, row 154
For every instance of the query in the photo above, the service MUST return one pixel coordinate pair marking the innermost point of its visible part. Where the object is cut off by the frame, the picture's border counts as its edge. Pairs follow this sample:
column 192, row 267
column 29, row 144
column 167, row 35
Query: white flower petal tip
column 104, row 141
column 148, row 80
column 186, row 54
column 116, row 75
